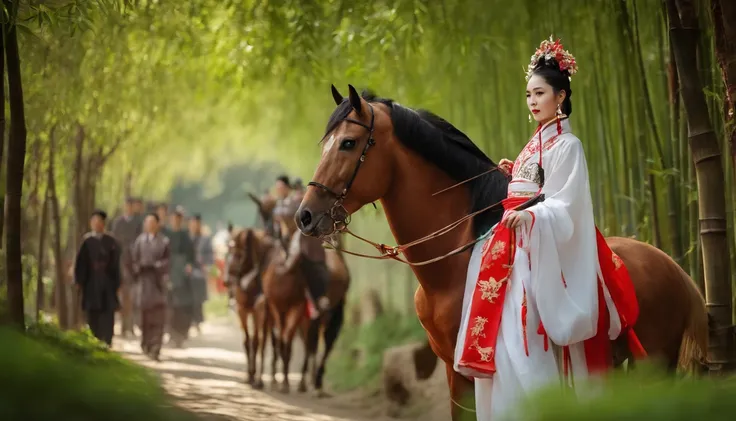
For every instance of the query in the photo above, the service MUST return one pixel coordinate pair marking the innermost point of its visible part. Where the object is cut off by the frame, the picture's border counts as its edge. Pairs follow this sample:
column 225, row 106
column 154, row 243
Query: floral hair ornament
column 548, row 50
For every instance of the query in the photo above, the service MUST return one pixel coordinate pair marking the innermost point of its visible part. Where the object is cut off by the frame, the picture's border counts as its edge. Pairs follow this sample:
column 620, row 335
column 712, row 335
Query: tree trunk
column 2, row 127
column 60, row 288
column 724, row 23
column 706, row 157
column 40, row 301
column 14, row 180
column 80, row 210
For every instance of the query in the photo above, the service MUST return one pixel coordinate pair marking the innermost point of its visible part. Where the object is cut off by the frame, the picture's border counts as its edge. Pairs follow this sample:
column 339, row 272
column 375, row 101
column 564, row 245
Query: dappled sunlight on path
column 207, row 376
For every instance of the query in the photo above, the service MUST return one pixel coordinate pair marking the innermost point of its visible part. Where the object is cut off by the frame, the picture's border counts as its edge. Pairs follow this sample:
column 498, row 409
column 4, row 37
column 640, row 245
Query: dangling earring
column 559, row 110
column 559, row 114
column 530, row 118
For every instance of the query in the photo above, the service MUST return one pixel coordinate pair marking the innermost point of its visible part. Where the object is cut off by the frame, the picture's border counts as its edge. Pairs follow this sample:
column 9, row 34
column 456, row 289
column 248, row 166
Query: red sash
column 487, row 304
column 486, row 307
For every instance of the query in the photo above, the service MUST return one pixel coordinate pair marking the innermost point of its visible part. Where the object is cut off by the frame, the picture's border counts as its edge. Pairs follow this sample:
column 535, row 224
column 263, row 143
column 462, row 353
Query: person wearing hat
column 97, row 275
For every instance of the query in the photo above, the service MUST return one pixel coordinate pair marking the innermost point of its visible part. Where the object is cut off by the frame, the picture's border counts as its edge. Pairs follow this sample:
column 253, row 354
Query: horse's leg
column 243, row 316
column 304, row 330
column 462, row 396
column 332, row 330
column 275, row 350
column 312, row 344
column 291, row 323
column 263, row 322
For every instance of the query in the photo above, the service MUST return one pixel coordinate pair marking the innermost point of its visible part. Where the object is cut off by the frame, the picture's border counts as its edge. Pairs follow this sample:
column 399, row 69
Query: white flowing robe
column 560, row 242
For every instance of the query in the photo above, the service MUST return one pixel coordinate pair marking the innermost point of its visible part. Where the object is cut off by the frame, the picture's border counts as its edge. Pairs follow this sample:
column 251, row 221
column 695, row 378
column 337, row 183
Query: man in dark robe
column 204, row 258
column 126, row 228
column 150, row 256
column 181, row 298
column 97, row 273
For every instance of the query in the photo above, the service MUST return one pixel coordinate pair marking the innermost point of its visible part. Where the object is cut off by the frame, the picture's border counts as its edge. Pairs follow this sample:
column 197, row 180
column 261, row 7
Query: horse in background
column 245, row 284
column 285, row 286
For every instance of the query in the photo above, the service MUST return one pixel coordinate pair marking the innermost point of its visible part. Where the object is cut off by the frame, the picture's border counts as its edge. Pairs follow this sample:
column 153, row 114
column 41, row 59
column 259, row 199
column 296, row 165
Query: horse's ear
column 355, row 99
column 336, row 96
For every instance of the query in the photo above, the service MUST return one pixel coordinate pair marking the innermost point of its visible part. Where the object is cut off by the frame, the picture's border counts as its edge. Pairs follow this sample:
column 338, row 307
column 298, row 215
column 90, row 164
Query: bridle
column 339, row 215
column 341, row 218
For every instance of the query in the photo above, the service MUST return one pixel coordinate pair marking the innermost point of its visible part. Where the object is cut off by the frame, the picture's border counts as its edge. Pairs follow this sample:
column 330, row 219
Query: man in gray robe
column 180, row 273
column 150, row 256
column 97, row 274
column 204, row 256
column 126, row 228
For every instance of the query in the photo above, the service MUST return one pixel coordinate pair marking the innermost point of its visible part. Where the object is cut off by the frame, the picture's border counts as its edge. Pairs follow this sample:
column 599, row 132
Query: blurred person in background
column 97, row 275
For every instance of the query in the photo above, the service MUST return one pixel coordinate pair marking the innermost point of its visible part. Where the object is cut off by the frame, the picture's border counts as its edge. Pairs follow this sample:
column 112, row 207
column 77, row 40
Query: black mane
column 442, row 144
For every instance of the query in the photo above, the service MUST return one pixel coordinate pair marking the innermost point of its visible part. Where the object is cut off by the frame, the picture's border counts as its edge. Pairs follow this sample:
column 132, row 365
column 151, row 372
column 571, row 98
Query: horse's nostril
column 305, row 217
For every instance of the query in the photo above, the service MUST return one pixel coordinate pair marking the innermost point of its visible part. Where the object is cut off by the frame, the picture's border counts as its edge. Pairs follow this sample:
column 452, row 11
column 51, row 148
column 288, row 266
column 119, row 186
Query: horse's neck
column 412, row 213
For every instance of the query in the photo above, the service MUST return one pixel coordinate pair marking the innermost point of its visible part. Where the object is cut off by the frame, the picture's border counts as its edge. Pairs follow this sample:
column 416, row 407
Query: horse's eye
column 347, row 144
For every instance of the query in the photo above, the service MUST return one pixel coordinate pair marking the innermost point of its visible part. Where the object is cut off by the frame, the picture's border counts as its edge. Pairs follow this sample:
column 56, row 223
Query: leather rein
column 341, row 218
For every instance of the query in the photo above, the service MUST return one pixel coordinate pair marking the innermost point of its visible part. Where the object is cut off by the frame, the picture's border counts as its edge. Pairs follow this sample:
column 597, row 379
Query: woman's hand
column 516, row 218
column 506, row 166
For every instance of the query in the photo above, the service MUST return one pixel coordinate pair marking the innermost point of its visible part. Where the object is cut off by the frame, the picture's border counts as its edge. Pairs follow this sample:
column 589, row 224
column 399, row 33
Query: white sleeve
column 563, row 251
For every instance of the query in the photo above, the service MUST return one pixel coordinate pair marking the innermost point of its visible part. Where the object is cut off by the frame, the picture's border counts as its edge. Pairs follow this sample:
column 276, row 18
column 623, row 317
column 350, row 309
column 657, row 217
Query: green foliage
column 642, row 395
column 79, row 344
column 216, row 306
column 358, row 355
column 48, row 373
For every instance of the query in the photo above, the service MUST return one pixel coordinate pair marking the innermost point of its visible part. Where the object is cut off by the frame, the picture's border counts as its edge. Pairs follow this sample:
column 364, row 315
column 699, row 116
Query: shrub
column 645, row 394
column 48, row 374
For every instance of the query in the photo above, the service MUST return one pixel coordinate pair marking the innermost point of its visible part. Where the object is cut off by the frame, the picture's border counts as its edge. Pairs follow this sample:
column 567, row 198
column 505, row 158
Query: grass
column 47, row 374
column 216, row 306
column 358, row 355
column 645, row 394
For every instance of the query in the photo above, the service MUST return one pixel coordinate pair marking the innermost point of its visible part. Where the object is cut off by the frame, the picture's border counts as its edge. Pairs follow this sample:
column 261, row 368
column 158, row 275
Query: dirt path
column 207, row 377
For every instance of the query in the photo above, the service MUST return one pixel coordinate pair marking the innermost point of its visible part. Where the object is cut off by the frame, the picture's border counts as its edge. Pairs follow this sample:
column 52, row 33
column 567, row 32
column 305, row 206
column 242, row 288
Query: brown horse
column 292, row 303
column 244, row 281
column 375, row 149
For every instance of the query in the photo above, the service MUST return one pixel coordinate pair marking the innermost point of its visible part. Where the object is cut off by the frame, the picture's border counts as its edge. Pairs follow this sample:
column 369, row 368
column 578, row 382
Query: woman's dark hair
column 154, row 215
column 549, row 70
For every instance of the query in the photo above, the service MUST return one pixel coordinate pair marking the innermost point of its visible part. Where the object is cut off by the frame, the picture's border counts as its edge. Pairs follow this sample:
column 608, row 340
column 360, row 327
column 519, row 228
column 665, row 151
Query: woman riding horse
column 440, row 194
column 545, row 278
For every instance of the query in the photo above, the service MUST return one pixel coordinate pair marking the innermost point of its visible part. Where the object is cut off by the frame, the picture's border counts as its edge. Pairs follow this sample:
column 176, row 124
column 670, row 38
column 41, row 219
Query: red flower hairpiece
column 550, row 49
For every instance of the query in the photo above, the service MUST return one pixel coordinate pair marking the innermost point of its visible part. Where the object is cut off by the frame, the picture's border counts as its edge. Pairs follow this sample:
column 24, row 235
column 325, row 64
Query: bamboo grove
column 131, row 96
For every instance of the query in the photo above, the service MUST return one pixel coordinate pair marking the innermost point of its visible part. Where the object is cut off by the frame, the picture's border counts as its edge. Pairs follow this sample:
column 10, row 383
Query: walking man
column 151, row 268
column 97, row 274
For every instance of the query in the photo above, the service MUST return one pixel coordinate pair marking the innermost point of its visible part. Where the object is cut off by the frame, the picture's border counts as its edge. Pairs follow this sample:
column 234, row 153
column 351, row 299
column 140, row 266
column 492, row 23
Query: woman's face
column 541, row 99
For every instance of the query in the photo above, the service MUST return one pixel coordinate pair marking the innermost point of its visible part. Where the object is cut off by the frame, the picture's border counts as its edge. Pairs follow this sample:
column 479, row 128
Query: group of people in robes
column 149, row 267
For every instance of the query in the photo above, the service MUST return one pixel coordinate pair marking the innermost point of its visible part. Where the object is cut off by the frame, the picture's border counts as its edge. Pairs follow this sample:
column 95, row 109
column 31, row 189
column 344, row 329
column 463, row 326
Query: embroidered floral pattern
column 486, row 308
column 489, row 289
column 531, row 149
column 497, row 249
column 486, row 353
column 617, row 262
column 479, row 323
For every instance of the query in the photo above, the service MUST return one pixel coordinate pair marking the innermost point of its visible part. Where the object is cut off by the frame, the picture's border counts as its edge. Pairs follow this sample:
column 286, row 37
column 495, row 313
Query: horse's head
column 357, row 129
column 243, row 256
